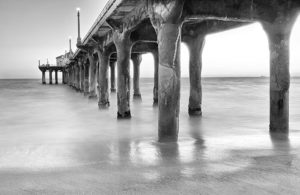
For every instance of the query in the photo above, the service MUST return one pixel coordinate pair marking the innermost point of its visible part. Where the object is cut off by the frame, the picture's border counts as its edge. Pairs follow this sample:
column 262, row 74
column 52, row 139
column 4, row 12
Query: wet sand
column 55, row 141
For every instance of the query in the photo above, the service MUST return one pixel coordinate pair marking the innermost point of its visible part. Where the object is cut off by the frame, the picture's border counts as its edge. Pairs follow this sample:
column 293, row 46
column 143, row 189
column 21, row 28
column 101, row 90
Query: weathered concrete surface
column 136, row 60
column 86, row 87
column 70, row 76
column 73, row 76
column 56, row 77
column 43, row 77
column 92, row 76
column 278, row 33
column 64, row 78
column 123, row 46
column 155, row 88
column 195, row 45
column 169, row 81
column 228, row 10
column 50, row 77
column 167, row 20
column 112, row 76
column 103, row 57
column 80, row 78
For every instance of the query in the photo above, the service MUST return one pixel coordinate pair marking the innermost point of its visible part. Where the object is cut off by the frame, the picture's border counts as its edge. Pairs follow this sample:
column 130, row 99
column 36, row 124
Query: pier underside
column 127, row 29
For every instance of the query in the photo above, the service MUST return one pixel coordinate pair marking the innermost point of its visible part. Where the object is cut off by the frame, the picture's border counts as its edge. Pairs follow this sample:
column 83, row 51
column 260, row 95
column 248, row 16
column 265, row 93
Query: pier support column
column 278, row 34
column 75, row 69
column 155, row 88
column 167, row 20
column 124, row 46
column 81, row 82
column 136, row 59
column 64, row 77
column 169, row 39
column 86, row 79
column 70, row 81
column 78, row 77
column 56, row 77
column 92, row 76
column 97, row 79
column 69, row 76
column 195, row 46
column 103, row 56
column 44, row 77
column 50, row 77
column 112, row 76
column 73, row 76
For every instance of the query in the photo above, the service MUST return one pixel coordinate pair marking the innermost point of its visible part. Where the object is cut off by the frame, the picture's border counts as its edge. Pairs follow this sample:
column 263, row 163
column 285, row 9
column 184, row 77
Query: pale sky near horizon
column 39, row 29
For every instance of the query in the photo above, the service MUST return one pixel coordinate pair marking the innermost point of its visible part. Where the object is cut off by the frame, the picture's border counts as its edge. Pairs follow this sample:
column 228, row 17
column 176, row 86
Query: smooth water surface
column 54, row 140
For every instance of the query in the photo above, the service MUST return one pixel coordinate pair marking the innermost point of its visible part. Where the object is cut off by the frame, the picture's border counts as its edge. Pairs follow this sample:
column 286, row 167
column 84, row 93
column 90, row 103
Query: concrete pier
column 136, row 59
column 168, row 22
column 112, row 76
column 70, row 73
column 103, row 56
column 86, row 78
column 155, row 88
column 64, row 77
column 169, row 81
column 73, row 76
column 81, row 77
column 130, row 28
column 278, row 33
column 50, row 77
column 44, row 77
column 56, row 77
column 77, row 76
column 195, row 45
column 123, row 45
column 92, row 76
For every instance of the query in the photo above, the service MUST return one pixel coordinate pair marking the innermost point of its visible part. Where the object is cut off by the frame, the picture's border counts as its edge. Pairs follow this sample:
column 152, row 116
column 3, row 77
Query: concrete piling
column 103, row 56
column 136, row 59
column 195, row 46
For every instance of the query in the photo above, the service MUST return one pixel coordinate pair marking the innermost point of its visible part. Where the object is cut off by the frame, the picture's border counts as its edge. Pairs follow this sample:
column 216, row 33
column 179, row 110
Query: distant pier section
column 61, row 66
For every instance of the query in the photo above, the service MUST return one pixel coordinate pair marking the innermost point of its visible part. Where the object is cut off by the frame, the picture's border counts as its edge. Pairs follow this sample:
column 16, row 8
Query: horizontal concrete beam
column 244, row 11
column 133, row 16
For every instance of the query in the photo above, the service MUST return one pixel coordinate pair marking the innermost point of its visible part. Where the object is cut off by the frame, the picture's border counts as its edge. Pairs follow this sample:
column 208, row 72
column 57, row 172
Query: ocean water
column 54, row 140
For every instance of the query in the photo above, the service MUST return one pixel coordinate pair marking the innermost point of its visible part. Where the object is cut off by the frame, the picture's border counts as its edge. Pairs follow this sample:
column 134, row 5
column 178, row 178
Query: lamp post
column 78, row 19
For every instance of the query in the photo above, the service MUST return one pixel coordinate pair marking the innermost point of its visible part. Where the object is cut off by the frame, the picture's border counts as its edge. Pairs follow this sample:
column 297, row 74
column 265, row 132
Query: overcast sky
column 39, row 29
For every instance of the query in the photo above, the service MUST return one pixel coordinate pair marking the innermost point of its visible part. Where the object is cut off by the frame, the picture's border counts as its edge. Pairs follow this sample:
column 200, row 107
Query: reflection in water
column 195, row 128
column 53, row 128
column 280, row 141
column 282, row 149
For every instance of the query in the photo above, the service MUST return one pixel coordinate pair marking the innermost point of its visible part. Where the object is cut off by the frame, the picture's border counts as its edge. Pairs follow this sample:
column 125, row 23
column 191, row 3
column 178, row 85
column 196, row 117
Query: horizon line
column 153, row 77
